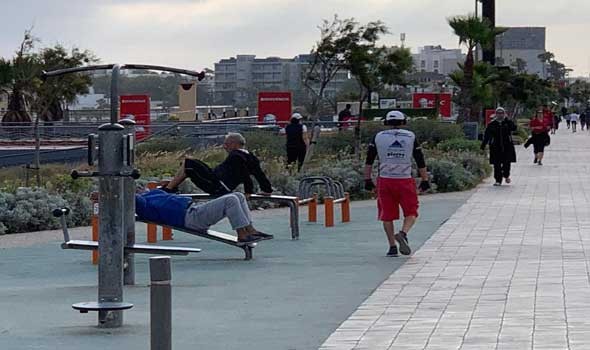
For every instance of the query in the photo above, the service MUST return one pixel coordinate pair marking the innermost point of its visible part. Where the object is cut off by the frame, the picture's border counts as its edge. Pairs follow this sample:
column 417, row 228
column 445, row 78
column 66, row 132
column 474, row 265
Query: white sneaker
column 497, row 184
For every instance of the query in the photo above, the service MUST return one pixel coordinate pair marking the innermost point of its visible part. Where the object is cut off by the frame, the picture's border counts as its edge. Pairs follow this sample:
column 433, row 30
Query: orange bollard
column 345, row 207
column 312, row 213
column 329, row 211
column 152, row 230
column 166, row 231
column 94, row 221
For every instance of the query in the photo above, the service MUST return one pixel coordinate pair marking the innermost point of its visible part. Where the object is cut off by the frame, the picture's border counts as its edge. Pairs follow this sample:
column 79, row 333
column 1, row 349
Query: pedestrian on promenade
column 396, row 187
column 567, row 118
column 539, row 137
column 556, row 121
column 343, row 115
column 574, row 117
column 583, row 120
column 498, row 135
column 297, row 140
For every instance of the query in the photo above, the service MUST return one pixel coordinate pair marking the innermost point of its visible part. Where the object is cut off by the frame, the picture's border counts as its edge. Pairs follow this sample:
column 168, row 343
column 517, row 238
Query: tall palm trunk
column 466, row 113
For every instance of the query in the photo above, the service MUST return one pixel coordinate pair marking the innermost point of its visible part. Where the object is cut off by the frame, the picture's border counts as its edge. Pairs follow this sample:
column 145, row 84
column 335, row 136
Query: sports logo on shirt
column 396, row 144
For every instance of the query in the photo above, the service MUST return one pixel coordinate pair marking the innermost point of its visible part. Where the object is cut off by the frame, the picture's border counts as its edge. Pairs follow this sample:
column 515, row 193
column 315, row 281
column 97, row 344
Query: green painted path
column 293, row 295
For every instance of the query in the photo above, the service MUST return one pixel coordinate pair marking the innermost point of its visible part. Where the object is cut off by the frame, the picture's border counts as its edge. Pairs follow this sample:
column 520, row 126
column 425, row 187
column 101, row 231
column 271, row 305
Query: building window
column 435, row 65
column 423, row 64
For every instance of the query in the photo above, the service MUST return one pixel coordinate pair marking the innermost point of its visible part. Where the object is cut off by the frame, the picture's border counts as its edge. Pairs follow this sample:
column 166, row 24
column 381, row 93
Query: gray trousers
column 200, row 216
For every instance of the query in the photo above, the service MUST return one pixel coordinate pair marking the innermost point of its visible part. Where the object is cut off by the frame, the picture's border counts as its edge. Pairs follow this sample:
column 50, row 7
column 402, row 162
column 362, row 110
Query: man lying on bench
column 172, row 210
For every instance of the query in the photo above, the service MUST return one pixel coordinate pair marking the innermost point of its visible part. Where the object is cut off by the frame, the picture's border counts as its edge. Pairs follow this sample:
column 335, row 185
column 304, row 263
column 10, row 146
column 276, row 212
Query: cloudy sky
column 194, row 34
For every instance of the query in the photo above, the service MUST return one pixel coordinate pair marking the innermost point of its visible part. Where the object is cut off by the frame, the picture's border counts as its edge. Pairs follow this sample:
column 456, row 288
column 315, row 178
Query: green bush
column 163, row 144
column 450, row 176
column 30, row 209
column 459, row 145
column 433, row 132
column 265, row 143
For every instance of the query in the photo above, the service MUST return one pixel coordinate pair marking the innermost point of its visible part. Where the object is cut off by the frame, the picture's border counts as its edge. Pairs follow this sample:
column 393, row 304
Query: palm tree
column 472, row 31
column 545, row 58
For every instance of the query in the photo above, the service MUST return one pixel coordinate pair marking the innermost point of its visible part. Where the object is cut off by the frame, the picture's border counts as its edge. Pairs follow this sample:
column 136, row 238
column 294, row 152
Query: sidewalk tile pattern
column 509, row 270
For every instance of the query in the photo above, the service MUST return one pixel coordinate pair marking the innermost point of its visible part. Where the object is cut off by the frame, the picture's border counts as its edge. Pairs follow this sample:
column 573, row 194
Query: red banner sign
column 277, row 104
column 137, row 106
column 429, row 100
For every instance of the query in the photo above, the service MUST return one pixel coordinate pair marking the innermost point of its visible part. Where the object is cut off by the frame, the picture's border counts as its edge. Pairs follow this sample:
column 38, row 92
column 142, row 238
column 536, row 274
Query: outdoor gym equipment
column 116, row 174
column 335, row 194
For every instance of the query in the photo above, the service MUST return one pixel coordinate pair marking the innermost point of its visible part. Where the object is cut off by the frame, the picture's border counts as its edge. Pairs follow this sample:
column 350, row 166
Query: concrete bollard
column 160, row 303
column 312, row 213
column 329, row 211
column 345, row 208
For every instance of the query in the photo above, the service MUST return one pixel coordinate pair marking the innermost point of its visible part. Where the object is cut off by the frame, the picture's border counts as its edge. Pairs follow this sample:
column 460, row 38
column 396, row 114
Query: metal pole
column 111, row 238
column 115, row 72
column 129, row 204
column 160, row 303
column 488, row 10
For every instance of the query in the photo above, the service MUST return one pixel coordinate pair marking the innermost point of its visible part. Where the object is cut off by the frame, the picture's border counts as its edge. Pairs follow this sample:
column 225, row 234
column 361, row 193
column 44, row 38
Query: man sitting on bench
column 177, row 211
column 236, row 169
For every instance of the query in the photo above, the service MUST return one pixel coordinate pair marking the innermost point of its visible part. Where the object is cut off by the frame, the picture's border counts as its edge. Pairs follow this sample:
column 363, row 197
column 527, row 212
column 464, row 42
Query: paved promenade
column 509, row 270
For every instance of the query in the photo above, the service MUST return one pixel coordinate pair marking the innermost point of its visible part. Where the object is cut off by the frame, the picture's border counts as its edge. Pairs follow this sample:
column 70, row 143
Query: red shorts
column 395, row 193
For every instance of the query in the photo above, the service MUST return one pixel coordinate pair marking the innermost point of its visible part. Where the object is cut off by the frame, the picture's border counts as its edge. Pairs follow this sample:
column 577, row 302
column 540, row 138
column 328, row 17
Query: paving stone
column 507, row 271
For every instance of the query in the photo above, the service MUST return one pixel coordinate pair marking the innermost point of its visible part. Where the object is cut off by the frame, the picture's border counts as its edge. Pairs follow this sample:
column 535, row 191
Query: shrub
column 163, row 144
column 474, row 163
column 265, row 143
column 459, row 145
column 433, row 132
column 30, row 209
column 450, row 176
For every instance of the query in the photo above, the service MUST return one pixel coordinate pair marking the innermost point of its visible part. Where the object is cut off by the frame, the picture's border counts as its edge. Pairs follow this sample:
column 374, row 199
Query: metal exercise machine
column 114, row 149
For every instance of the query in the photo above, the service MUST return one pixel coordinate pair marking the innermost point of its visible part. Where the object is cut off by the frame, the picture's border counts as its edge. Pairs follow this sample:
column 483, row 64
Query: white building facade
column 436, row 59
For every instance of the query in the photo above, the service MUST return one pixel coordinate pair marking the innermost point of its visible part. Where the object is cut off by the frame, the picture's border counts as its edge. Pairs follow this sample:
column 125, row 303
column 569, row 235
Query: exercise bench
column 216, row 236
column 134, row 248
column 291, row 201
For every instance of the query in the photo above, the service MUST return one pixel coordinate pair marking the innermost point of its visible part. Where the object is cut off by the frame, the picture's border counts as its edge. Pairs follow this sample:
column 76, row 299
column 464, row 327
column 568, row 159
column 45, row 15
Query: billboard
column 139, row 107
column 277, row 104
column 429, row 99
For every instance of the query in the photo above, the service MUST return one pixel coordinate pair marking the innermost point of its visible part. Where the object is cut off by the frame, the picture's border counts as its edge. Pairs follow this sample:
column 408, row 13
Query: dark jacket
column 237, row 168
column 294, row 134
column 499, row 136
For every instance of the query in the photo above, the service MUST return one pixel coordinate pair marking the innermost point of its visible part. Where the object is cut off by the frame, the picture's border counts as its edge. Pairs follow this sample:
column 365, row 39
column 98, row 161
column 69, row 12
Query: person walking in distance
column 539, row 136
column 396, row 187
column 583, row 120
column 344, row 115
column 297, row 140
column 574, row 117
column 498, row 135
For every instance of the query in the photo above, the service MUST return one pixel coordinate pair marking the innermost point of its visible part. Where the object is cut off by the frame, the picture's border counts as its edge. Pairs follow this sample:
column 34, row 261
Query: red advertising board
column 429, row 99
column 275, row 103
column 137, row 106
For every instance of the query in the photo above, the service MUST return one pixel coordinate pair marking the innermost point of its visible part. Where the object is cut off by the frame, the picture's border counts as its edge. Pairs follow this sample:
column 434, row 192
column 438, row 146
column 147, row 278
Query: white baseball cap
column 394, row 115
column 500, row 109
column 296, row 116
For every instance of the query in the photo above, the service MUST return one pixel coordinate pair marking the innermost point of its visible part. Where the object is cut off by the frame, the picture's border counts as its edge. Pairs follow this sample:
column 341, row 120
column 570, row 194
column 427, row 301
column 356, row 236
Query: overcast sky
column 193, row 34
